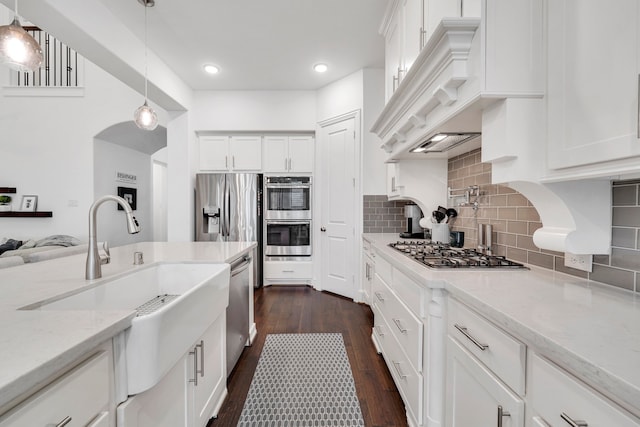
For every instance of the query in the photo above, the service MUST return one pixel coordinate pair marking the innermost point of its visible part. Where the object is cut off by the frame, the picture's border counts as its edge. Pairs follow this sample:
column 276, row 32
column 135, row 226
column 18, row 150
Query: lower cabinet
column 475, row 396
column 190, row 393
column 368, row 271
column 558, row 399
column 81, row 397
column 288, row 272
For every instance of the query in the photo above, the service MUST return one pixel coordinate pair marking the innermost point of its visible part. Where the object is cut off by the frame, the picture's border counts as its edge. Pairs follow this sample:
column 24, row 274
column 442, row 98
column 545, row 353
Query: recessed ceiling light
column 211, row 69
column 320, row 68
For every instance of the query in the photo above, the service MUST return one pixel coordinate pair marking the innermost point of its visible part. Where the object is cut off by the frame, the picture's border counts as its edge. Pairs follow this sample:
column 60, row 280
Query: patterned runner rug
column 302, row 380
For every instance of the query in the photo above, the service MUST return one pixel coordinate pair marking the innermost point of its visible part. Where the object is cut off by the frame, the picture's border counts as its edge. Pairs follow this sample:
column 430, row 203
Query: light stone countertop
column 590, row 329
column 35, row 345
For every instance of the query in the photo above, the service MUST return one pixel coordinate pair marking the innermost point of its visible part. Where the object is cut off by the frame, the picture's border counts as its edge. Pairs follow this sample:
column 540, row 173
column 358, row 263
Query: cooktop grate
column 438, row 255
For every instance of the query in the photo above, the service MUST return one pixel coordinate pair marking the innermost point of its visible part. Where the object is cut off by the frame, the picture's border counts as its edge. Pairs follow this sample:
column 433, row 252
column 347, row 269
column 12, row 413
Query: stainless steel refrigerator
column 229, row 209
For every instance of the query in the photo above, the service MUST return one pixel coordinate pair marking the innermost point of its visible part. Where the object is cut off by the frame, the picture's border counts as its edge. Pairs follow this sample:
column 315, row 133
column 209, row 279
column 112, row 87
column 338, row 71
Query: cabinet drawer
column 554, row 393
column 383, row 268
column 407, row 329
column 499, row 351
column 410, row 293
column 408, row 381
column 381, row 295
column 288, row 270
column 81, row 394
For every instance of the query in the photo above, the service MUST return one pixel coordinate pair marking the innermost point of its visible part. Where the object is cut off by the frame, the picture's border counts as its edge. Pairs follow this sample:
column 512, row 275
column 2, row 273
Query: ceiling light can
column 211, row 69
column 320, row 68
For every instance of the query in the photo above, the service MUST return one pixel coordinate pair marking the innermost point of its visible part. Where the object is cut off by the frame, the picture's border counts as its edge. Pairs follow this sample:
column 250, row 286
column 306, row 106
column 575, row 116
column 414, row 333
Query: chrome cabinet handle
column 288, row 271
column 201, row 345
column 378, row 330
column 64, row 422
column 463, row 331
column 393, row 183
column 422, row 35
column 572, row 422
column 285, row 164
column 195, row 366
column 398, row 370
column 289, row 163
column 395, row 83
column 399, row 325
column 501, row 414
column 379, row 296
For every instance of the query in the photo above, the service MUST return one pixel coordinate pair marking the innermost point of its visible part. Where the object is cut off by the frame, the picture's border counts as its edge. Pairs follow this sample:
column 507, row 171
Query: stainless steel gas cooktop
column 437, row 255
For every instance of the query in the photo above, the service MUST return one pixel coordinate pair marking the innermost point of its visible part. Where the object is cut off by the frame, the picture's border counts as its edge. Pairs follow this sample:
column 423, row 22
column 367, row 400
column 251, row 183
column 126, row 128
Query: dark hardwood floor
column 300, row 309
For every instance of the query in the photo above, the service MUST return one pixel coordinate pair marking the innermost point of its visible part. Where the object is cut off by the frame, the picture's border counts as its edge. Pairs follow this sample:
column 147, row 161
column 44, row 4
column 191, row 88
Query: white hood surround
column 488, row 75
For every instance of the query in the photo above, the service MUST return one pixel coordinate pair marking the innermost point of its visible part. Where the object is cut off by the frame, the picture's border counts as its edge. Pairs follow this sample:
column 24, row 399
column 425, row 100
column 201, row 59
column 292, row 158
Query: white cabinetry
column 81, row 396
column 288, row 272
column 288, row 154
column 190, row 393
column 558, row 400
column 408, row 331
column 231, row 153
column 368, row 270
column 593, row 67
column 485, row 371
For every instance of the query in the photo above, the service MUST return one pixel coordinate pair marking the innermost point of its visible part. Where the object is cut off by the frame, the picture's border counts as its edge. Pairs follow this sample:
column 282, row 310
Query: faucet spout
column 94, row 262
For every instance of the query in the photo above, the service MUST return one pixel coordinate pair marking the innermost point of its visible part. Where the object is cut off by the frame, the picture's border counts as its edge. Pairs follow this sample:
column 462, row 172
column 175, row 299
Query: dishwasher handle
column 240, row 265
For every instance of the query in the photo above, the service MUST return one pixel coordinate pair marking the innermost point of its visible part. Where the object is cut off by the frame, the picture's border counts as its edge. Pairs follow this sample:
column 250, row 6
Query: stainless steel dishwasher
column 238, row 310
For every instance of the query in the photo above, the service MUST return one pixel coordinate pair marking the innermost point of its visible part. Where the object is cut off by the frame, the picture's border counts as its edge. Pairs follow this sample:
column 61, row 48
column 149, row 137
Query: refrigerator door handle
column 227, row 216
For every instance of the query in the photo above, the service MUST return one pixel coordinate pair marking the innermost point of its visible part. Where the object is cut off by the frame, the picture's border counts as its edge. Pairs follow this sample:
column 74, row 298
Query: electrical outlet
column 579, row 262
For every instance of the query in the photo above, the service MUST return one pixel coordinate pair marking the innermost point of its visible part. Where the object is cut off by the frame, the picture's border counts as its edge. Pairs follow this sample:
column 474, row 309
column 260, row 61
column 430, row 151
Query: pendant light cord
column 145, row 51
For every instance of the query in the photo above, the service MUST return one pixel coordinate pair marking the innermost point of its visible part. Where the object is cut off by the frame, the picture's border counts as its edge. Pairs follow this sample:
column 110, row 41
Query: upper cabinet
column 231, row 153
column 288, row 154
column 593, row 85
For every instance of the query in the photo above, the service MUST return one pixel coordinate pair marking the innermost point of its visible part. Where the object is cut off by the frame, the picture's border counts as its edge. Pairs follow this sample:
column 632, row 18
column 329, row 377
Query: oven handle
column 289, row 222
column 287, row 186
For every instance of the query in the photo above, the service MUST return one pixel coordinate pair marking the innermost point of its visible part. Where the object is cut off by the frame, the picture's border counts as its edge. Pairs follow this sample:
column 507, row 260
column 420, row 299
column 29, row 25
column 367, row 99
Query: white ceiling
column 259, row 44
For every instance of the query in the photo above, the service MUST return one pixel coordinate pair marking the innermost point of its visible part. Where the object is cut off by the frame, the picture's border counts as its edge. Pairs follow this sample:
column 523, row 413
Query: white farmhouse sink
column 197, row 295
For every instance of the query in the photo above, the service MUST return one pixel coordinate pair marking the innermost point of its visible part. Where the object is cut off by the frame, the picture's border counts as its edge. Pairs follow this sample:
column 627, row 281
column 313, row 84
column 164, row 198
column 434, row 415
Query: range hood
column 444, row 141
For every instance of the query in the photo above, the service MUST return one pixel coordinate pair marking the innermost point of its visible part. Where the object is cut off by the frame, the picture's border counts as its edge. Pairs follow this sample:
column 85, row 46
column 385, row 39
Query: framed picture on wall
column 130, row 195
column 29, row 203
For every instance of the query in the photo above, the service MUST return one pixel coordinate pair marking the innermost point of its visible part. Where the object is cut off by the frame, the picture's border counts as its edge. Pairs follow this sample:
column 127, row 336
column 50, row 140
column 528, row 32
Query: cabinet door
column 163, row 405
column 214, row 154
column 246, row 153
column 393, row 54
column 412, row 12
column 475, row 396
column 592, row 81
column 435, row 10
column 301, row 154
column 207, row 393
column 275, row 154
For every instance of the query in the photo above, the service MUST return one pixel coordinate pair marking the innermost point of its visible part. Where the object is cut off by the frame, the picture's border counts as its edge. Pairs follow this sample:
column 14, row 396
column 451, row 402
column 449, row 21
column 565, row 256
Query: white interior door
column 338, row 197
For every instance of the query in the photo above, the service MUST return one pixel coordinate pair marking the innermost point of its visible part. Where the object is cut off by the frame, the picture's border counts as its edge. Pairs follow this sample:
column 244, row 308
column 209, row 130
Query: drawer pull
column 288, row 271
column 399, row 325
column 398, row 370
column 378, row 330
column 501, row 414
column 201, row 345
column 64, row 422
column 195, row 366
column 463, row 331
column 572, row 422
column 379, row 296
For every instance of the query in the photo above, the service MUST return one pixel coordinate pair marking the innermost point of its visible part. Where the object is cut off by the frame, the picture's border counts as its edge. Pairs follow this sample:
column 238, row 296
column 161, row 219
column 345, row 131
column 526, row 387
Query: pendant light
column 144, row 116
column 18, row 49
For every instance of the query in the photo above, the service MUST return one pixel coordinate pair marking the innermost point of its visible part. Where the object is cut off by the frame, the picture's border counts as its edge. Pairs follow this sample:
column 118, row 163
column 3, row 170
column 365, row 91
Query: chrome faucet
column 94, row 260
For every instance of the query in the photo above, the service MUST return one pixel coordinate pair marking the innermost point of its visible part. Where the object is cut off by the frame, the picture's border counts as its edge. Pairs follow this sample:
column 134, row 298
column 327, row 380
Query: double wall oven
column 287, row 231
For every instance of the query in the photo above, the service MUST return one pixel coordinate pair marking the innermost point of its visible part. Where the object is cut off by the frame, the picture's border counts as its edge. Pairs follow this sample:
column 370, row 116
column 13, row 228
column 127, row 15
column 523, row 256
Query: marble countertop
column 35, row 345
column 590, row 329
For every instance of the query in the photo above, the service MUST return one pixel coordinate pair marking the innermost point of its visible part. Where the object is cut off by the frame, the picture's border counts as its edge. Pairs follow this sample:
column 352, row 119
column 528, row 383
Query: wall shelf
column 20, row 214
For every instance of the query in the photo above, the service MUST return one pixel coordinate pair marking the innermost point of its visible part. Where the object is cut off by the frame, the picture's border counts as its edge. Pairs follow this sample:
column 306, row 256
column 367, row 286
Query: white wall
column 111, row 158
column 254, row 110
column 47, row 150
column 340, row 97
column 374, row 171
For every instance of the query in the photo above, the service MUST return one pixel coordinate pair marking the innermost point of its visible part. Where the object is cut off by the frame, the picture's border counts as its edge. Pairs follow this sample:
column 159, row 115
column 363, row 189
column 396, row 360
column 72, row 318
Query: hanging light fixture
column 144, row 116
column 18, row 50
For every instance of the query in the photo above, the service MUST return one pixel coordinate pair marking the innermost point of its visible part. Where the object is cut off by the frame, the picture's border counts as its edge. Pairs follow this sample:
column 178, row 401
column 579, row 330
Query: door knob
column 323, row 229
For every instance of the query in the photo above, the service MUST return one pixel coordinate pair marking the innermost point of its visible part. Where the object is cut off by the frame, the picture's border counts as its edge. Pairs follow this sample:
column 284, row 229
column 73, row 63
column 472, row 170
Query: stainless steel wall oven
column 287, row 197
column 287, row 238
